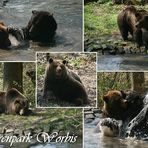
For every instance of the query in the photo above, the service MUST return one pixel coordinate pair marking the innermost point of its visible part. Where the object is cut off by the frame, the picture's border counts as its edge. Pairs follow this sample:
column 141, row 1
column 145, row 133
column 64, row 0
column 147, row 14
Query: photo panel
column 22, row 124
column 117, row 31
column 66, row 79
column 121, row 115
column 30, row 26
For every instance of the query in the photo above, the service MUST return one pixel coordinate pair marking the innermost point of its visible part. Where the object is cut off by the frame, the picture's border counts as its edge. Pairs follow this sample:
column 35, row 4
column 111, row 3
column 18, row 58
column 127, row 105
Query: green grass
column 100, row 20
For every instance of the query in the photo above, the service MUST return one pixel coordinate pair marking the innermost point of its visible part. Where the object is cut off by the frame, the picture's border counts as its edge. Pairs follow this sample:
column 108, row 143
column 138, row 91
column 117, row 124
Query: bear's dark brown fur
column 41, row 27
column 13, row 102
column 143, row 26
column 64, row 83
column 122, row 105
column 127, row 20
column 4, row 36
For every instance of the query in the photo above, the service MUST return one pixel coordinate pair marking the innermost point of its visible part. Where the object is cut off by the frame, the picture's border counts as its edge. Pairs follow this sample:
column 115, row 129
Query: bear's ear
column 50, row 60
column 65, row 62
column 123, row 94
column 34, row 11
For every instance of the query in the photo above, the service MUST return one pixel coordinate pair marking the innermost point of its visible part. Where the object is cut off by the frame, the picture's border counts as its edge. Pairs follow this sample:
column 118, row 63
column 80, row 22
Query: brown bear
column 114, row 104
column 41, row 27
column 4, row 36
column 122, row 105
column 64, row 83
column 143, row 26
column 130, row 107
column 13, row 102
column 127, row 20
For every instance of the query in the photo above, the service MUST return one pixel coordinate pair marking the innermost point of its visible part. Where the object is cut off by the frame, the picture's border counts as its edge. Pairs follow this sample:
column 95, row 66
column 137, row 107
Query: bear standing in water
column 41, row 27
column 63, row 83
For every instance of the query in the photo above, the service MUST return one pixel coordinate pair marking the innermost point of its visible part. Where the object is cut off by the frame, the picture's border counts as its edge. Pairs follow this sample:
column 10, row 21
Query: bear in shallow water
column 64, row 83
column 41, row 27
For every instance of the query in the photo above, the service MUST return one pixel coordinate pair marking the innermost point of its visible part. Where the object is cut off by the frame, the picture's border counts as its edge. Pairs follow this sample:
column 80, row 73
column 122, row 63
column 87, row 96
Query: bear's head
column 57, row 70
column 115, row 104
column 42, row 26
column 20, row 106
column 143, row 23
column 16, row 102
column 4, row 36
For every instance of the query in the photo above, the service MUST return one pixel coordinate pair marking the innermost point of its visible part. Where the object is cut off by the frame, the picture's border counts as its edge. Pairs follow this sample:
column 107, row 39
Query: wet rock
column 90, row 116
column 87, row 109
column 9, row 130
column 28, row 131
column 112, row 52
column 88, row 120
column 121, row 50
column 95, row 110
column 18, row 132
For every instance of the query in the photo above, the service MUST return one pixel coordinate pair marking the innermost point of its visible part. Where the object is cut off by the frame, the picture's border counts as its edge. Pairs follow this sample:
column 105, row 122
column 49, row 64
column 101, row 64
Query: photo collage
column 73, row 73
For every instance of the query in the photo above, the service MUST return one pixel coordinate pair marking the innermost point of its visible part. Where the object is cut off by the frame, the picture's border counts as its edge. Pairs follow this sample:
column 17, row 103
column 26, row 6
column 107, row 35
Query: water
column 122, row 62
column 77, row 144
column 68, row 14
column 96, row 140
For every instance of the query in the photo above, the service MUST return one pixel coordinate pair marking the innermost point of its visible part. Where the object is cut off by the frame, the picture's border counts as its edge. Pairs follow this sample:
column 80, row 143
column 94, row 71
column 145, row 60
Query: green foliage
column 112, row 81
column 100, row 20
column 28, row 86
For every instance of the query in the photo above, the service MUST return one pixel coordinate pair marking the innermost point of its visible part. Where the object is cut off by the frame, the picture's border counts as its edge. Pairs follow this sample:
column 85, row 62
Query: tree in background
column 13, row 76
column 138, row 81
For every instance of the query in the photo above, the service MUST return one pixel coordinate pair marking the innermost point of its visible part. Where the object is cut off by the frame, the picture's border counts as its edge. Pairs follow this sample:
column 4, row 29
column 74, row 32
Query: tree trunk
column 13, row 76
column 138, row 81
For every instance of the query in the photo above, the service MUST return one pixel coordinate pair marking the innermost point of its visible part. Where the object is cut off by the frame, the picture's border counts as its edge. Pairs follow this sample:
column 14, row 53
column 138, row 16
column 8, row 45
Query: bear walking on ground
column 13, row 102
column 127, row 20
column 4, row 36
column 63, row 83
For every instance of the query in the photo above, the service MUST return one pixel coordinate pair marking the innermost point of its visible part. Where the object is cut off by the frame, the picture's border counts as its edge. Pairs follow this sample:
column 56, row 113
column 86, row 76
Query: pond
column 68, row 14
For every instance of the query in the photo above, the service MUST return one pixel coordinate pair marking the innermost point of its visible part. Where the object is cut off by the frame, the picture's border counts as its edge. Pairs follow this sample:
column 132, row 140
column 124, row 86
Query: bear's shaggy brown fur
column 143, row 26
column 122, row 105
column 127, row 20
column 4, row 36
column 41, row 27
column 64, row 83
column 13, row 102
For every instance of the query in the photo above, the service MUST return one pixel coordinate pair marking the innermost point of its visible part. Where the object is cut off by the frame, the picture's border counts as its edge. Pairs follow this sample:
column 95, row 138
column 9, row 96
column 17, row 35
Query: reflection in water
column 68, row 14
column 96, row 140
column 123, row 62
